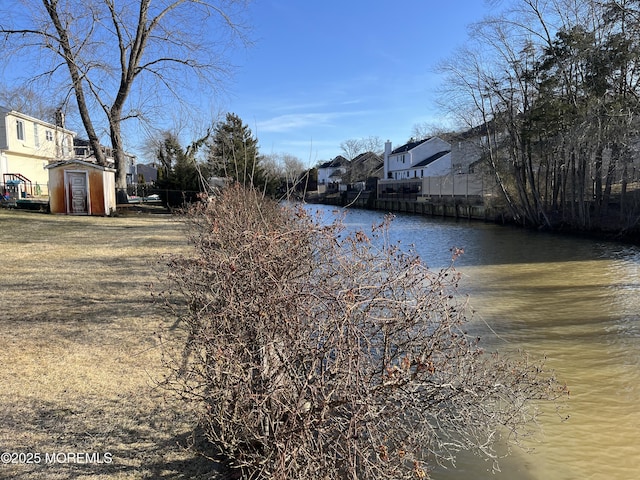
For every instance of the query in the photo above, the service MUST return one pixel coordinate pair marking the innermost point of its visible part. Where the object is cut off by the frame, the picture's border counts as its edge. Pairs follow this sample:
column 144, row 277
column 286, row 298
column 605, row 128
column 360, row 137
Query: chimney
column 387, row 152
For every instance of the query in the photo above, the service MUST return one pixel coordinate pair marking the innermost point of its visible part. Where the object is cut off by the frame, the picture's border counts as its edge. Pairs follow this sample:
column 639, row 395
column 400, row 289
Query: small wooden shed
column 77, row 187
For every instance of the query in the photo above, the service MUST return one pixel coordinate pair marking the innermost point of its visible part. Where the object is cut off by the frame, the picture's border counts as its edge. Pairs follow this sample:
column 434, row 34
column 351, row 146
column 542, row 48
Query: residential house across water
column 430, row 168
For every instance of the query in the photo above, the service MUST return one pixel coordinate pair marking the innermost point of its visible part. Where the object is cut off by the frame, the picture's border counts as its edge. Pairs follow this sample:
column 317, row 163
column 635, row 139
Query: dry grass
column 79, row 357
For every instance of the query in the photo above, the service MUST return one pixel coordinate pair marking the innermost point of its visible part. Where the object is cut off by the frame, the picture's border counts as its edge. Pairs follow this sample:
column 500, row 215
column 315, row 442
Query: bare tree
column 355, row 146
column 28, row 101
column 108, row 47
column 351, row 148
column 373, row 144
column 423, row 130
column 551, row 86
column 469, row 96
column 293, row 171
column 312, row 352
column 272, row 165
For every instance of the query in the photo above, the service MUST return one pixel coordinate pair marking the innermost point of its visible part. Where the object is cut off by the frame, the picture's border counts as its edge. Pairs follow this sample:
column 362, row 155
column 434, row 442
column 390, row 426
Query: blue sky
column 323, row 72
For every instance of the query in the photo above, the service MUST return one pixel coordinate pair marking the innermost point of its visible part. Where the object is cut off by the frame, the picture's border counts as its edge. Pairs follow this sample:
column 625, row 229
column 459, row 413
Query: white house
column 27, row 146
column 332, row 171
column 435, row 168
column 424, row 158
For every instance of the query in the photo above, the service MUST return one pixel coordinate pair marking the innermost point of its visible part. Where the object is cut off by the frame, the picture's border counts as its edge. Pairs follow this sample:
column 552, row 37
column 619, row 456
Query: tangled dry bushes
column 313, row 352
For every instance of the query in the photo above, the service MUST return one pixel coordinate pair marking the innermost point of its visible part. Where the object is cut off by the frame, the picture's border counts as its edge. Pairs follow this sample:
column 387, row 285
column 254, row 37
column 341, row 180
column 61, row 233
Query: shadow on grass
column 116, row 441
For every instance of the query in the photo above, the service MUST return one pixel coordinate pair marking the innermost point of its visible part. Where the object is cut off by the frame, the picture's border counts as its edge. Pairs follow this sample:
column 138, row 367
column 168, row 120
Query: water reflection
column 575, row 301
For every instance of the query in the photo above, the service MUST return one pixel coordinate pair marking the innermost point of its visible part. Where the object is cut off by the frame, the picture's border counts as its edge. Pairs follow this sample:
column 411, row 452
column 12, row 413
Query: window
column 49, row 135
column 36, row 139
column 20, row 129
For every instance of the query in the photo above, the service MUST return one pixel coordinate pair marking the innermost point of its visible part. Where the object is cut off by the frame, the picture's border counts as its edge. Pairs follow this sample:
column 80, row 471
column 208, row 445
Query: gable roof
column 79, row 162
column 409, row 146
column 431, row 159
column 366, row 157
column 339, row 161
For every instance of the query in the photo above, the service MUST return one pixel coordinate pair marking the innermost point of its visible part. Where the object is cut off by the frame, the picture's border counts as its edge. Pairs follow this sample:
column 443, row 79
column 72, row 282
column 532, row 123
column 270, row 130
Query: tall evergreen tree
column 179, row 170
column 233, row 153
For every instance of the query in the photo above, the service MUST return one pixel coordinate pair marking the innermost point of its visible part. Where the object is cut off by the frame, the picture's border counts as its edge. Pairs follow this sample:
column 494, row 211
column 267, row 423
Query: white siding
column 441, row 166
column 323, row 176
column 403, row 165
column 40, row 143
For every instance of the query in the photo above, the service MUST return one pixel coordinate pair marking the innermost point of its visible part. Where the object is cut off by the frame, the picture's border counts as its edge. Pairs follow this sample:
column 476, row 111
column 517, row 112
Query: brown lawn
column 79, row 353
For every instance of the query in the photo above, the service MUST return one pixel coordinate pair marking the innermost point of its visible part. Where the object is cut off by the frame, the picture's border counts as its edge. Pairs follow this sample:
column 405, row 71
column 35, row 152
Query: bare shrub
column 314, row 353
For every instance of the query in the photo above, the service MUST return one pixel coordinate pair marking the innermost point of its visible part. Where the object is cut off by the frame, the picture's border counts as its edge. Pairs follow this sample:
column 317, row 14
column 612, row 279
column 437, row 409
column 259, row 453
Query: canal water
column 575, row 301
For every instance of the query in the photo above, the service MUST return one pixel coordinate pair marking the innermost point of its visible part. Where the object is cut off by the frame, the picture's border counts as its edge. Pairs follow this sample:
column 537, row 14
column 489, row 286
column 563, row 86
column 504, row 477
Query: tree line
column 552, row 89
column 228, row 152
column 551, row 86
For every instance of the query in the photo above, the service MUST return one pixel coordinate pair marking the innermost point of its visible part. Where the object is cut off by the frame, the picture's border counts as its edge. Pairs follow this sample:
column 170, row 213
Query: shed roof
column 63, row 163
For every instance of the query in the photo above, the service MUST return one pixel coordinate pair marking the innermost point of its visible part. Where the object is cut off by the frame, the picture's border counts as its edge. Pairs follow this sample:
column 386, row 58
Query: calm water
column 577, row 302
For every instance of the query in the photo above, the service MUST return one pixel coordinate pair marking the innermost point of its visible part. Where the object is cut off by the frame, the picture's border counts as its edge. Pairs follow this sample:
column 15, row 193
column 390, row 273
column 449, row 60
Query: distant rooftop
column 409, row 146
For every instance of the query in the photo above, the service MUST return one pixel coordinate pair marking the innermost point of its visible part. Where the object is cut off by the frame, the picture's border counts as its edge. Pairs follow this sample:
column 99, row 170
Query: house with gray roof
column 432, row 167
column 365, row 166
column 332, row 172
column 417, row 159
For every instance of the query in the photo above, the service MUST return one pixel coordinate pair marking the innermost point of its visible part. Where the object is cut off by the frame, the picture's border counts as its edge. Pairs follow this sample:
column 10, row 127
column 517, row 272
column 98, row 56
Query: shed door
column 77, row 192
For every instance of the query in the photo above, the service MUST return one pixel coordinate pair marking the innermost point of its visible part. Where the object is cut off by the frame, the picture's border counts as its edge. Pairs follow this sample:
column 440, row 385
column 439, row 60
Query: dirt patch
column 79, row 350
